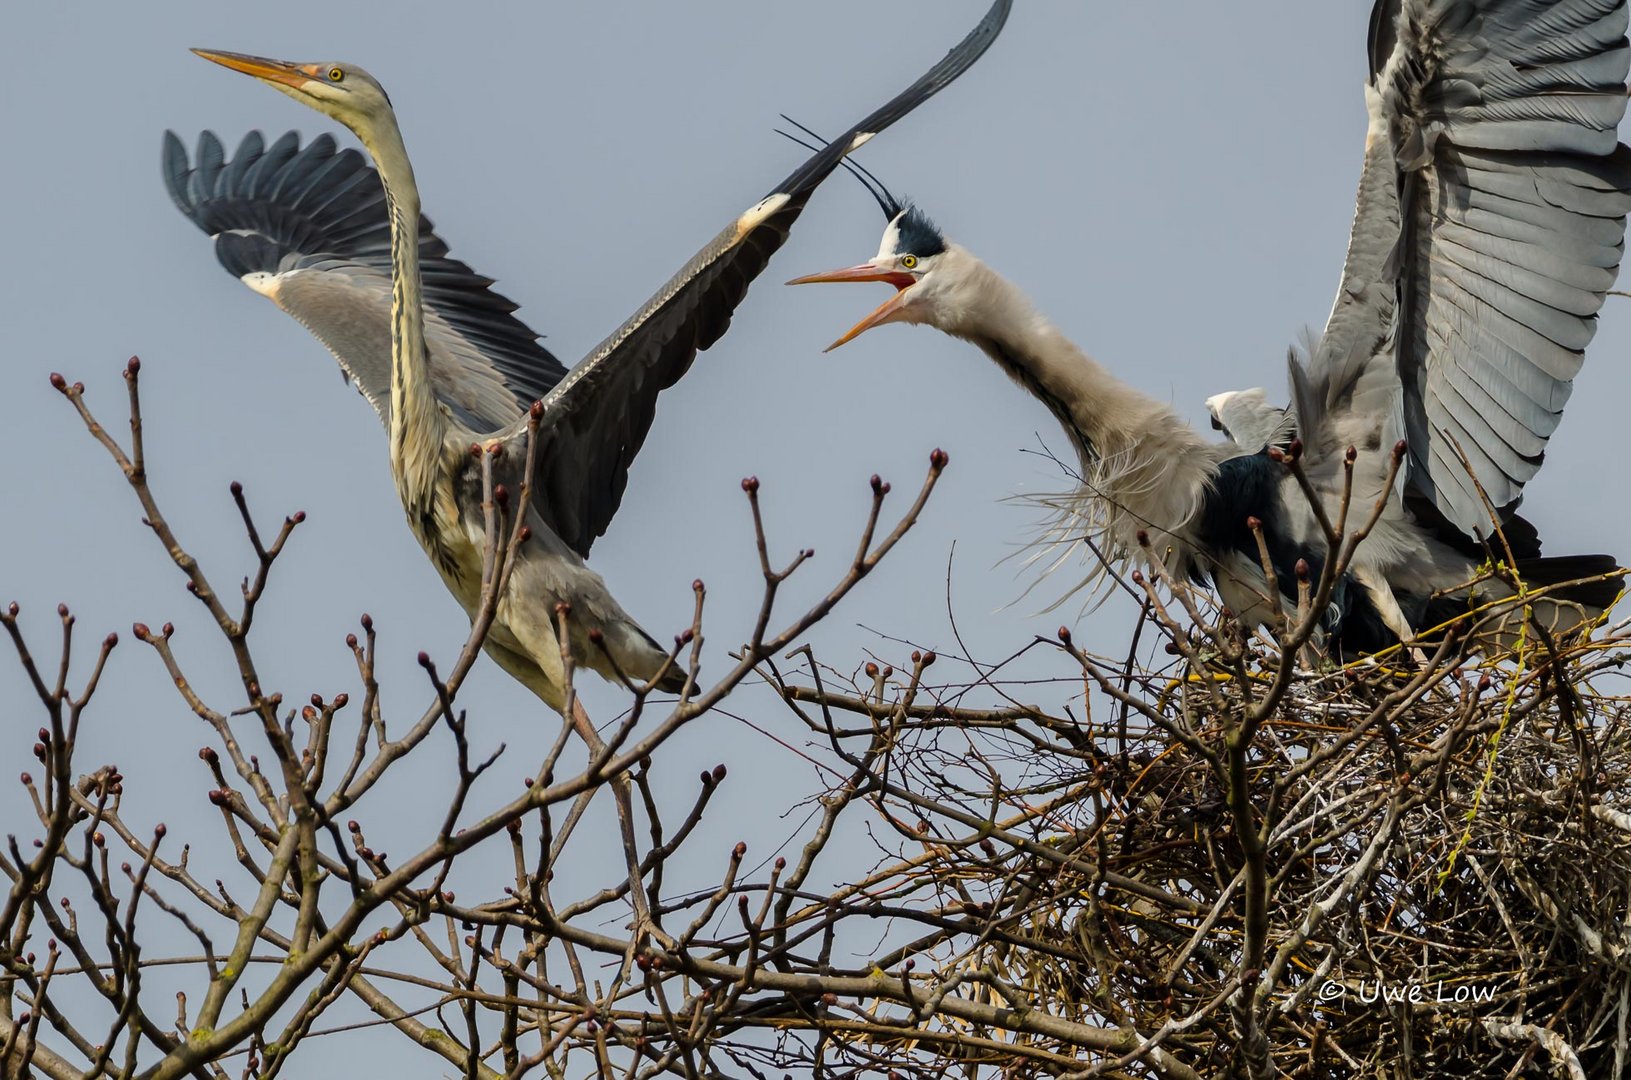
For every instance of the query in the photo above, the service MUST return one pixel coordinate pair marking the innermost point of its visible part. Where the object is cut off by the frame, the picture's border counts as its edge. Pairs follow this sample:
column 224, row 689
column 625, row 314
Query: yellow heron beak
column 889, row 311
column 281, row 71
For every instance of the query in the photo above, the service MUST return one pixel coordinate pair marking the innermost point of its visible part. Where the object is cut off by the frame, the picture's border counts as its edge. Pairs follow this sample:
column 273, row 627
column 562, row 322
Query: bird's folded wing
column 307, row 227
column 597, row 417
column 1489, row 226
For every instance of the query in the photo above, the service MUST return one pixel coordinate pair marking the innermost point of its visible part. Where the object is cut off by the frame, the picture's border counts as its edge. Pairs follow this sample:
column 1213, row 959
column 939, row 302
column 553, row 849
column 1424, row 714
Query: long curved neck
column 1144, row 466
column 418, row 425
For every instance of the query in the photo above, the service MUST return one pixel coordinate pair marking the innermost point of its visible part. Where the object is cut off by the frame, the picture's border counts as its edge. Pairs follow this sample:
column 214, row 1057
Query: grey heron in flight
column 1489, row 225
column 450, row 370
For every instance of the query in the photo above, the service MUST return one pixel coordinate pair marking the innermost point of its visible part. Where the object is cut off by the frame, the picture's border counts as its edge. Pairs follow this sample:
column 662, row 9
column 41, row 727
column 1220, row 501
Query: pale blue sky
column 1172, row 183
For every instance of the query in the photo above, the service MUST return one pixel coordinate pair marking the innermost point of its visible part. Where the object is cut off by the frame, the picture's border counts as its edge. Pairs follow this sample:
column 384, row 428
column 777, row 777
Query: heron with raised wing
column 449, row 369
column 1489, row 226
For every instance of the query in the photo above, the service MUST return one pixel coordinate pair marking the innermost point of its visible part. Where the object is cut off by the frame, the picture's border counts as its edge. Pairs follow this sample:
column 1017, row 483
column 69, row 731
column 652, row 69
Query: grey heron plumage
column 345, row 249
column 1489, row 225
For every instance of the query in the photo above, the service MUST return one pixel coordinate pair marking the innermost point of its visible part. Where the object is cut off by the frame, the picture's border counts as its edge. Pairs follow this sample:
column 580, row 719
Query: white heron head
column 344, row 91
column 915, row 258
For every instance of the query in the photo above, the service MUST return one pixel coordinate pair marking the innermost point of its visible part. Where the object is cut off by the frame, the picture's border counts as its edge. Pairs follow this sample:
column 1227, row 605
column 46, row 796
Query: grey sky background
column 1171, row 183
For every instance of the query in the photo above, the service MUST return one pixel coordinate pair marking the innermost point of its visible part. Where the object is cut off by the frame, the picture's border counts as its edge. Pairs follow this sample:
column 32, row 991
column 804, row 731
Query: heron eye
column 909, row 261
column 335, row 74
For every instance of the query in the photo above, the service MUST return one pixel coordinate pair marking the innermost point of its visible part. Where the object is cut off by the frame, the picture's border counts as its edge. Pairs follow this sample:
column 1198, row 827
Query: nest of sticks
column 1256, row 863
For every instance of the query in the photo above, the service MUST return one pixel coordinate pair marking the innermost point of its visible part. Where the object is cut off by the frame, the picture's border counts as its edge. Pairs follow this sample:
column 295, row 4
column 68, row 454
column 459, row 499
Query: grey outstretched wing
column 307, row 228
column 597, row 418
column 1490, row 223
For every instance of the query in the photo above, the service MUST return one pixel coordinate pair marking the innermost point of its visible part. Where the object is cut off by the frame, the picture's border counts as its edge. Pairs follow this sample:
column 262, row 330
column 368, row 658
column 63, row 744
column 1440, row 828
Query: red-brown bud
column 562, row 607
column 159, row 830
column 1254, row 523
column 929, row 658
column 536, row 410
column 526, row 533
column 110, row 641
column 367, row 621
column 719, row 772
column 168, row 630
column 298, row 516
column 351, row 641
column 341, row 699
column 1398, row 450
column 424, row 659
column 1295, row 450
column 501, row 496
column 871, row 670
column 750, row 484
column 739, row 850
column 1064, row 634
column 939, row 458
column 62, row 611
column 1138, row 577
column 58, row 381
column 133, row 365
column 1302, row 569
column 1350, row 455
column 218, row 797
column 208, row 754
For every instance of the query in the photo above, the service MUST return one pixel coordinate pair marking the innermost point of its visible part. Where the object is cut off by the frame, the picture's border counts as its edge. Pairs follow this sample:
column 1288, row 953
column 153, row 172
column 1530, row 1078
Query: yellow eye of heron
column 909, row 261
column 335, row 74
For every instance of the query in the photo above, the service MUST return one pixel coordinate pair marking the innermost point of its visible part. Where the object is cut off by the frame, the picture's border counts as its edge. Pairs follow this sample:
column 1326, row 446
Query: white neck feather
column 1143, row 466
column 418, row 425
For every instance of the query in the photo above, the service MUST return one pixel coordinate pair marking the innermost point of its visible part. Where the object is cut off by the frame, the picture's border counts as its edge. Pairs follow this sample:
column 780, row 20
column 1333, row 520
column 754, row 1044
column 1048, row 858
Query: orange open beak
column 282, row 71
column 888, row 311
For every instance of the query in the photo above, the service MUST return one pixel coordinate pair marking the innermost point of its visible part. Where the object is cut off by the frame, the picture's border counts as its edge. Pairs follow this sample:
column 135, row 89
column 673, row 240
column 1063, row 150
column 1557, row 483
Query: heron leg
column 1387, row 606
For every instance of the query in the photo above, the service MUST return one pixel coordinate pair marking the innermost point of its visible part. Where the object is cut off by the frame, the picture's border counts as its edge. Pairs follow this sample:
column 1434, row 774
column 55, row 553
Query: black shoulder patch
column 918, row 235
